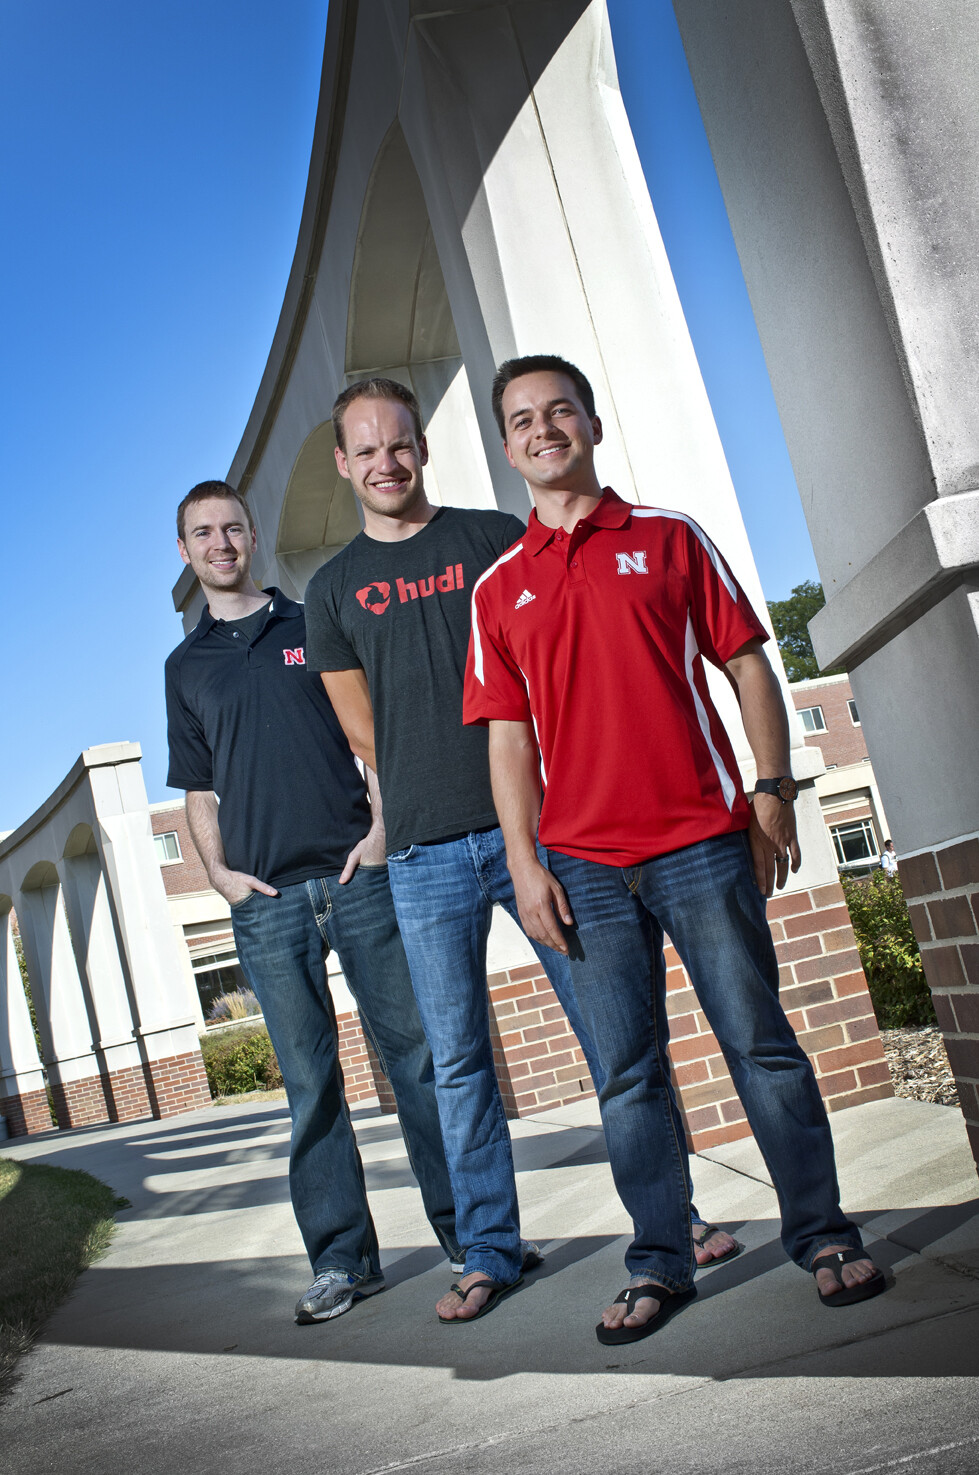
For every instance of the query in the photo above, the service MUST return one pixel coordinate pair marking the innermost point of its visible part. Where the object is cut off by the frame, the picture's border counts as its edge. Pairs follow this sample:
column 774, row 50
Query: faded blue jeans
column 444, row 894
column 705, row 898
column 283, row 942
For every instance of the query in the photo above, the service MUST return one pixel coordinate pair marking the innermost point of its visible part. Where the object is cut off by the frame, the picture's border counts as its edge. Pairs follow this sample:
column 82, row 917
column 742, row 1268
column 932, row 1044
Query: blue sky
column 154, row 164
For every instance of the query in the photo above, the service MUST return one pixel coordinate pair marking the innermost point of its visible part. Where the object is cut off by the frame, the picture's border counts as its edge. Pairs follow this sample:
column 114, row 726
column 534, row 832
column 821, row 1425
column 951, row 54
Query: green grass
column 53, row 1223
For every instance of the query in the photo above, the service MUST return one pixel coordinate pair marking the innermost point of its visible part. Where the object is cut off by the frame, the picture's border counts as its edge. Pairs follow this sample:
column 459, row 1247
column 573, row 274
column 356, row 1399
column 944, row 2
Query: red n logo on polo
column 295, row 657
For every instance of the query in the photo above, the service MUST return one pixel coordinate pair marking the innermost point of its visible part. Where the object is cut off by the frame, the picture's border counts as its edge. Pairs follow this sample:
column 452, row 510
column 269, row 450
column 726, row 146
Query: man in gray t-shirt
column 388, row 623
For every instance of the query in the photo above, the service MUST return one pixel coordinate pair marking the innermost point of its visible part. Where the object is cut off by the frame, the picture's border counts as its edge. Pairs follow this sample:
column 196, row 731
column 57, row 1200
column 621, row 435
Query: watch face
column 787, row 788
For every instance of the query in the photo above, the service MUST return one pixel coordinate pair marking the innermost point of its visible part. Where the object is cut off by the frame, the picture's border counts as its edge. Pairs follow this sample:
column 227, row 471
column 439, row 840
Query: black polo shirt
column 248, row 720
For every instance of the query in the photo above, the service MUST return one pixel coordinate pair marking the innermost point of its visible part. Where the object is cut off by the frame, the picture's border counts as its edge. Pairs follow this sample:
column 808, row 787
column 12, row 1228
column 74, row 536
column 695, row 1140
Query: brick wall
column 126, row 1094
column 539, row 1062
column 176, row 1084
column 842, row 742
column 26, row 1112
column 942, row 890
column 188, row 875
column 79, row 1103
column 824, row 993
column 363, row 1078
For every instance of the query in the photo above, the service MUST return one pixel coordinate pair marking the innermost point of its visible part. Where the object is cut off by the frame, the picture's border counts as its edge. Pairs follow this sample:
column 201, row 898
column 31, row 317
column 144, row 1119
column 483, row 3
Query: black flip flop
column 706, row 1231
column 670, row 1302
column 498, row 1290
column 849, row 1295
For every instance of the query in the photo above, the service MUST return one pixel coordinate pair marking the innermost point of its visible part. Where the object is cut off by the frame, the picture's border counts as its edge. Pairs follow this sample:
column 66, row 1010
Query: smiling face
column 383, row 457
column 550, row 438
column 218, row 544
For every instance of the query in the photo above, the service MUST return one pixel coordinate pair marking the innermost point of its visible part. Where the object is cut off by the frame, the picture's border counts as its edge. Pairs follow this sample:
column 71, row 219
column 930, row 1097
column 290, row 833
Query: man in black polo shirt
column 293, row 850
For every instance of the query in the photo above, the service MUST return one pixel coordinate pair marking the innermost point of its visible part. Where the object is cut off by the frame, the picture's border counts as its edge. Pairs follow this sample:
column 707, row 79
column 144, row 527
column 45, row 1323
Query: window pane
column 812, row 719
column 854, row 842
column 167, row 847
column 215, row 981
column 854, row 716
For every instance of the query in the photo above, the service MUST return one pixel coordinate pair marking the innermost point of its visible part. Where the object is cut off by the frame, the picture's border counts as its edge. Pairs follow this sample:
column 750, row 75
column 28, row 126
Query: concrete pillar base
column 942, row 891
column 26, row 1112
column 539, row 1063
column 177, row 1084
column 824, row 993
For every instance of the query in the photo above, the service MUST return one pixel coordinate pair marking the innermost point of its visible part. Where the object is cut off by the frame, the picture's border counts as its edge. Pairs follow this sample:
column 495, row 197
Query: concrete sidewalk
column 178, row 1351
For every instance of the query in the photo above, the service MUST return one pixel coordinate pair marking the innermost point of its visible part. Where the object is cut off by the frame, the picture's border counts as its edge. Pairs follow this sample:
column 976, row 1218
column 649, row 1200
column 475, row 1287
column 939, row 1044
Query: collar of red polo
column 611, row 512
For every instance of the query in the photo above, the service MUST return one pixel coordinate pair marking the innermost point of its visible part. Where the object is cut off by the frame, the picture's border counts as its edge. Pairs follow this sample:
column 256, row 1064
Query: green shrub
column 240, row 1060
column 888, row 951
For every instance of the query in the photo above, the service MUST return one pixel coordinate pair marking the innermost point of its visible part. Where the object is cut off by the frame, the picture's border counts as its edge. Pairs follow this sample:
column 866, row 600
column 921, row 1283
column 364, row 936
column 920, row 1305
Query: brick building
column 847, row 791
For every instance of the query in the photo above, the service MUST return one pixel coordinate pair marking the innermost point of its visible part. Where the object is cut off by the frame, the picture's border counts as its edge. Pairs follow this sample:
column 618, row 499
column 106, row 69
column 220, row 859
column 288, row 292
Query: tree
column 790, row 617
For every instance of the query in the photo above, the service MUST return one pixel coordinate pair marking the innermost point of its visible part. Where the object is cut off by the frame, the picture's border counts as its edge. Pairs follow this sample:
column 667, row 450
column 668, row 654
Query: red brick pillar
column 942, row 890
column 175, row 1084
column 382, row 1086
column 26, row 1112
column 545, row 1067
column 80, row 1103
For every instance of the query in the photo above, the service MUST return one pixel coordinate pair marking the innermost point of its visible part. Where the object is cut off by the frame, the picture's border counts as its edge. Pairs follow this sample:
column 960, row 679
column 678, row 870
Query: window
column 855, row 842
column 217, row 973
column 851, row 707
column 813, row 719
column 829, row 766
column 167, row 848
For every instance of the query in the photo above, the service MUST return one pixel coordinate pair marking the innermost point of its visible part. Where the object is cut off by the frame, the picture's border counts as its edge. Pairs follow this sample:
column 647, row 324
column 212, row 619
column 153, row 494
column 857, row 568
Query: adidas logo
column 525, row 598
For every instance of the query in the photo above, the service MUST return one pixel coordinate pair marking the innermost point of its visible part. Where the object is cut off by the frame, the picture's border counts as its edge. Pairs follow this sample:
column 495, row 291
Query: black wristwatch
column 784, row 788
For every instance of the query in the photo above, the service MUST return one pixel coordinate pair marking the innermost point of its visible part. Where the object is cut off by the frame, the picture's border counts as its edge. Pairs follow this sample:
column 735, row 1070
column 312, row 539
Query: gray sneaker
column 332, row 1293
column 530, row 1256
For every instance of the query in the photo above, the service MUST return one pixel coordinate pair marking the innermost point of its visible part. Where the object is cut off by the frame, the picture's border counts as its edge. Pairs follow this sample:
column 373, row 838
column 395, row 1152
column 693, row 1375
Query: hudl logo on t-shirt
column 376, row 597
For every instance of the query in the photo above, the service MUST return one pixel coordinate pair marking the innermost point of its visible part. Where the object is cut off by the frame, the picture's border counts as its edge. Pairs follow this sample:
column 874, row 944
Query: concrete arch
column 399, row 309
column 41, row 874
column 81, row 841
column 319, row 511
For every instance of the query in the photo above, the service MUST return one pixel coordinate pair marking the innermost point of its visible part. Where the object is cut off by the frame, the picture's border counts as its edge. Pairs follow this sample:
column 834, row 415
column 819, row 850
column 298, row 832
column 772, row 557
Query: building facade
column 848, row 793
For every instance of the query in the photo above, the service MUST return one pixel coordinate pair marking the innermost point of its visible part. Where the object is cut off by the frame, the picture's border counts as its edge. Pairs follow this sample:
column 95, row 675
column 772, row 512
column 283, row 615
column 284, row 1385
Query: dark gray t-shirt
column 401, row 611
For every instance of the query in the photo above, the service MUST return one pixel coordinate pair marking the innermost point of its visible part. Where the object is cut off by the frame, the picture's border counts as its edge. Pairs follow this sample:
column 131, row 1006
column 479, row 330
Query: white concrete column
column 97, row 957
column 164, row 1015
column 59, row 1001
column 20, row 1067
column 548, row 243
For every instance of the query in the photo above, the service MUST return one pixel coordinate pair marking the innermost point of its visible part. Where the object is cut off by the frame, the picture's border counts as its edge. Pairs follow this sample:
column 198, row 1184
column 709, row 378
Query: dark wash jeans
column 705, row 898
column 444, row 894
column 282, row 945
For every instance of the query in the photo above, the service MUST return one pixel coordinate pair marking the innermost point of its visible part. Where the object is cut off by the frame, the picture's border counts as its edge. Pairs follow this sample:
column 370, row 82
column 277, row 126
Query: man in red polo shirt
column 587, row 663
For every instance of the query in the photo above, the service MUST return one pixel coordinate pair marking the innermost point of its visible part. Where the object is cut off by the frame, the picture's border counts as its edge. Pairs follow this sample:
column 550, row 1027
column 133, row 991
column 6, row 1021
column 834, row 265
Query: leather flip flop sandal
column 849, row 1295
column 670, row 1302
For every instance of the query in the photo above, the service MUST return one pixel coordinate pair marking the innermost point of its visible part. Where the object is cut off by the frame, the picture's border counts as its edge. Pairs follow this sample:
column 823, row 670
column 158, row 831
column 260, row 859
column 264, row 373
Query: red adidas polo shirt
column 598, row 637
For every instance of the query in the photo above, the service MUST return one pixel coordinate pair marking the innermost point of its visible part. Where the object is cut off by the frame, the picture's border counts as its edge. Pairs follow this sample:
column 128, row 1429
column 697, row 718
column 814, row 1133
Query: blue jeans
column 282, row 946
column 705, row 898
column 444, row 895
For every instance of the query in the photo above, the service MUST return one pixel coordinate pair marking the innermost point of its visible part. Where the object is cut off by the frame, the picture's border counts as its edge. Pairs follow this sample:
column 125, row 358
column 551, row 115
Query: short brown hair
column 201, row 493
column 374, row 388
column 539, row 363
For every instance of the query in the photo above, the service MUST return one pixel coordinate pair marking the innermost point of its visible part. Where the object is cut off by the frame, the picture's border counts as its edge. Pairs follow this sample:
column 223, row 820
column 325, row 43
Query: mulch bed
column 919, row 1065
